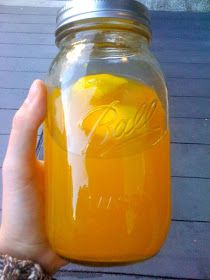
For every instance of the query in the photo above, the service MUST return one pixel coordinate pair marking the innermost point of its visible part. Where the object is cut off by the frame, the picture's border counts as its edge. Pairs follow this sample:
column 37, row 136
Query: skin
column 22, row 232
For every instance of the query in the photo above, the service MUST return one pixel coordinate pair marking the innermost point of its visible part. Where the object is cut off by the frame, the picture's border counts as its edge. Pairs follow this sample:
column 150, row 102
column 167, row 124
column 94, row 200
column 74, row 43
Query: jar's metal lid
column 76, row 10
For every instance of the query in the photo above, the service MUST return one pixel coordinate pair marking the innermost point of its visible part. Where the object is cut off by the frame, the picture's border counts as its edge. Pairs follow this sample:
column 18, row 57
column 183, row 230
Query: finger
column 22, row 142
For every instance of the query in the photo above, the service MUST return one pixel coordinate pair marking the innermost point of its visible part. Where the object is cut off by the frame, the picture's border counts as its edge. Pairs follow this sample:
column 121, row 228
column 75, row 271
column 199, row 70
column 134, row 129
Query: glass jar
column 106, row 136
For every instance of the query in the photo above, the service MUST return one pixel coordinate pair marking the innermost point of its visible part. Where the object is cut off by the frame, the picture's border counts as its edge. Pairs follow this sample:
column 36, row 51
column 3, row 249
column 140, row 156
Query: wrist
column 36, row 251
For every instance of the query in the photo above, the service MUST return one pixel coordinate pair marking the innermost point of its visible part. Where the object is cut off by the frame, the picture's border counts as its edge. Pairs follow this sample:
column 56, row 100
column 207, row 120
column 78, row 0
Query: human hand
column 22, row 233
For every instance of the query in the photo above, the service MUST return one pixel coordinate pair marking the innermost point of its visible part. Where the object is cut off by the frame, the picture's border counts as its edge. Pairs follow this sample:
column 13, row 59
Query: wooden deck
column 182, row 45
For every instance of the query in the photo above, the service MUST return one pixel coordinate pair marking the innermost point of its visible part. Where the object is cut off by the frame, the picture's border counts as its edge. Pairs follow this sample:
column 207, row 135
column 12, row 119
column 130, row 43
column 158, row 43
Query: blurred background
column 161, row 5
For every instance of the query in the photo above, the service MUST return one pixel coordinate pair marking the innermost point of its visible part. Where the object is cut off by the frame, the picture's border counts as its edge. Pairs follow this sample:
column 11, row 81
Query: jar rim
column 76, row 11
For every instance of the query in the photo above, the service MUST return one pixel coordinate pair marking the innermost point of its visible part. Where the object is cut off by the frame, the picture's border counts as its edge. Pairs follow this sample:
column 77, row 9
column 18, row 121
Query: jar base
column 107, row 261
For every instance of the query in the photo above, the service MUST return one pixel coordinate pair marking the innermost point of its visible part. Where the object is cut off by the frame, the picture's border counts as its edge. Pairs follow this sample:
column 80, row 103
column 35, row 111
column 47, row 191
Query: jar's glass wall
column 107, row 149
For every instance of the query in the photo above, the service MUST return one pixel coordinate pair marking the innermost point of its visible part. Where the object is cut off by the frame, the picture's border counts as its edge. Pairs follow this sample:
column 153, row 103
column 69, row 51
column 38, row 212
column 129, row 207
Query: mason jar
column 106, row 136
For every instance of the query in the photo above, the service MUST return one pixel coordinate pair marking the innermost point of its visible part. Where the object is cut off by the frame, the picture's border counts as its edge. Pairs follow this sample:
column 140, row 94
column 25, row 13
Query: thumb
column 28, row 118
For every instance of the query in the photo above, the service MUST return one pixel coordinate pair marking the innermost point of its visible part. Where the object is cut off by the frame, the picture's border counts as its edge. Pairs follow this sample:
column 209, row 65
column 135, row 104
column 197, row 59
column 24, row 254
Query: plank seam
column 128, row 274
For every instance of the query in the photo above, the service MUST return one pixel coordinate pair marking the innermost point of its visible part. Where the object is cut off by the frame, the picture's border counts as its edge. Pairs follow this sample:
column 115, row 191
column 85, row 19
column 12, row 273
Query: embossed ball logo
column 109, row 131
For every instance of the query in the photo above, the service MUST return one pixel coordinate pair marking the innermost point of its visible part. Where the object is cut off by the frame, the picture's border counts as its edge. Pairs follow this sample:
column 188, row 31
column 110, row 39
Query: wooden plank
column 32, row 51
column 190, row 199
column 189, row 19
column 182, row 130
column 181, row 24
column 190, row 107
column 158, row 27
column 186, row 70
column 26, row 38
column 186, row 22
column 161, row 43
column 183, row 57
column 52, row 11
column 160, row 15
column 3, row 147
column 64, row 275
column 157, row 42
column 190, row 160
column 179, row 34
column 25, row 64
column 188, row 87
column 27, row 28
column 177, row 30
column 50, row 52
column 180, row 107
column 18, row 80
column 173, row 70
column 27, row 10
column 190, row 130
column 179, row 17
column 177, row 87
column 10, row 100
column 35, row 3
column 185, row 255
column 6, row 117
column 47, row 19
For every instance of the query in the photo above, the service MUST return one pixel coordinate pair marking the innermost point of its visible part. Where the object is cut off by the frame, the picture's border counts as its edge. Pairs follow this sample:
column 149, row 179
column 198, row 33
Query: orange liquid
column 107, row 170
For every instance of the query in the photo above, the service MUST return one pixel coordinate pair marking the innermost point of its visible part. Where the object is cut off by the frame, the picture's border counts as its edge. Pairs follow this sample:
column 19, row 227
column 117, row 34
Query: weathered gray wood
column 6, row 117
column 177, row 87
column 175, row 70
column 185, row 107
column 24, row 64
column 180, row 39
column 190, row 130
column 17, row 79
column 31, row 51
column 184, row 56
column 190, row 199
column 186, row 70
column 190, row 107
column 27, row 10
column 188, row 87
column 3, row 147
column 191, row 160
column 50, row 51
column 164, row 16
column 179, row 43
column 184, row 255
column 27, row 28
column 47, row 28
column 52, row 11
column 28, row 19
column 193, row 20
column 180, row 24
column 157, row 22
column 26, row 38
column 64, row 275
column 10, row 100
column 157, row 42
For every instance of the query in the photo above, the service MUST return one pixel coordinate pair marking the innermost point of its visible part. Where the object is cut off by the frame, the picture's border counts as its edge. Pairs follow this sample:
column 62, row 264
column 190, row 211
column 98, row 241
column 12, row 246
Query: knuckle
column 18, row 118
column 9, row 166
